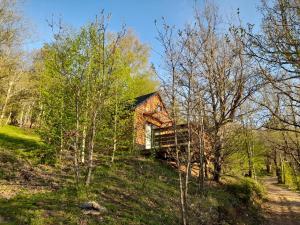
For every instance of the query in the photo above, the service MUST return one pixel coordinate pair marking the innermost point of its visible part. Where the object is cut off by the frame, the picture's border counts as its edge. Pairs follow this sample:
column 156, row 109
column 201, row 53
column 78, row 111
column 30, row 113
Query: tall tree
column 172, row 51
column 227, row 75
column 276, row 51
column 93, row 75
column 11, row 25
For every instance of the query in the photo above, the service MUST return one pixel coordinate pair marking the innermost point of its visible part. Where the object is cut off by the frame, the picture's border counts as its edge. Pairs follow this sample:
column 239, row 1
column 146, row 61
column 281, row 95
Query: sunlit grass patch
column 16, row 132
column 135, row 190
column 21, row 143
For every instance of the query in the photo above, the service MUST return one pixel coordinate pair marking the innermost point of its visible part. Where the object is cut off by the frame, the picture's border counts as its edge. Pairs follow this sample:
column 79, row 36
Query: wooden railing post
column 152, row 138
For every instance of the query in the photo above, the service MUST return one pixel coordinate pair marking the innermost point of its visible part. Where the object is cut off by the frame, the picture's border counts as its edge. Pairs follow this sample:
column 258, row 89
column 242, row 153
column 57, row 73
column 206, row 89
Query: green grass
column 40, row 208
column 26, row 135
column 21, row 142
column 135, row 190
column 138, row 192
column 291, row 177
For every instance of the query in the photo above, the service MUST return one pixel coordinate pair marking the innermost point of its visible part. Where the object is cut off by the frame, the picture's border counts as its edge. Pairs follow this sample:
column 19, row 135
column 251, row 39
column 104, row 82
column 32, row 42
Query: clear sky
column 136, row 14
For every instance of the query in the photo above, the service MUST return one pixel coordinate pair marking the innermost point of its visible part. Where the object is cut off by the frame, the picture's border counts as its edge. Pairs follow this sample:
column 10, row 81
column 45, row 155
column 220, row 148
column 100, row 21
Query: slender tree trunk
column 82, row 153
column 206, row 172
column 278, row 168
column 249, row 149
column 27, row 115
column 201, row 155
column 269, row 168
column 61, row 132
column 84, row 132
column 218, row 157
column 182, row 192
column 181, row 188
column 188, row 164
column 115, row 129
column 295, row 175
column 61, row 147
column 8, row 119
column 76, row 145
column 22, row 115
column 250, row 158
column 91, row 150
column 282, row 167
column 38, row 119
column 8, row 93
column 133, row 134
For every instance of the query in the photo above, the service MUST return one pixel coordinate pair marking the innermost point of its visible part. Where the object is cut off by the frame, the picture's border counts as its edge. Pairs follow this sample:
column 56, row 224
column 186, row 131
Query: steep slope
column 134, row 190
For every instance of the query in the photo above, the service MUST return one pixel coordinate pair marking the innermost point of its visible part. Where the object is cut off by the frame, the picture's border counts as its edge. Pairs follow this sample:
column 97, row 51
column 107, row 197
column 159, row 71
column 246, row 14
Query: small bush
column 247, row 190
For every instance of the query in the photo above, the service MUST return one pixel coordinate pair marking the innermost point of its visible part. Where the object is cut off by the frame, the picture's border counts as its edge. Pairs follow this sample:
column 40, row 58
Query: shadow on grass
column 137, row 192
column 13, row 143
column 57, row 207
column 34, row 150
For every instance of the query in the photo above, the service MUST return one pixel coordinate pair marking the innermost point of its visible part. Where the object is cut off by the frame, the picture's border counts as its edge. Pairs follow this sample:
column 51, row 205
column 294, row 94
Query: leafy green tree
column 89, row 80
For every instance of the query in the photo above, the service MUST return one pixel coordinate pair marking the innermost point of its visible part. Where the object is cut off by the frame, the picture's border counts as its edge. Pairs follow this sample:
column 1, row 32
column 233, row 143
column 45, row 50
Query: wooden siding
column 147, row 112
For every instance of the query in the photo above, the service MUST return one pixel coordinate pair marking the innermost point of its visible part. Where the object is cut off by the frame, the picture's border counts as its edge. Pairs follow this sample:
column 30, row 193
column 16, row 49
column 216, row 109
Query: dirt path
column 283, row 205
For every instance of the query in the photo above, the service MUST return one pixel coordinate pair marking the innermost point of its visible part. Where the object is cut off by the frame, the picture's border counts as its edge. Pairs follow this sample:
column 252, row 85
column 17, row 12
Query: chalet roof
column 141, row 99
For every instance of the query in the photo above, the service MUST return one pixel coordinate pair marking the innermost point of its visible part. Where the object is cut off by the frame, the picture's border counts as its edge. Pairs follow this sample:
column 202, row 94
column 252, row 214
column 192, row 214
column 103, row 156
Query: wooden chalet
column 153, row 125
column 154, row 129
column 150, row 113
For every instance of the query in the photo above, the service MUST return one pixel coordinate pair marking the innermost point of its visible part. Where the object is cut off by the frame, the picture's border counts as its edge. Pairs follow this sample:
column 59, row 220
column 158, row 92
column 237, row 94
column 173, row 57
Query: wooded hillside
column 73, row 141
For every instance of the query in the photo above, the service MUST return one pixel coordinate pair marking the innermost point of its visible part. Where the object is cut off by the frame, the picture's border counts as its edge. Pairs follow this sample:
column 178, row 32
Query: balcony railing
column 165, row 137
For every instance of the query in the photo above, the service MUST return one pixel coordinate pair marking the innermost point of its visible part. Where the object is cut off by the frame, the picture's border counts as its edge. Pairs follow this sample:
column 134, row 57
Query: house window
column 158, row 109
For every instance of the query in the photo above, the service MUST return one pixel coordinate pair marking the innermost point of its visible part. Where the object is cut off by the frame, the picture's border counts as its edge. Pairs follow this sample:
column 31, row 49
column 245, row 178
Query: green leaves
column 92, row 71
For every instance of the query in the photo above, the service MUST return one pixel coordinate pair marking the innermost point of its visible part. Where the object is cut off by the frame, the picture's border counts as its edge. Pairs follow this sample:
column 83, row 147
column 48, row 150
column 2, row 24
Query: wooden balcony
column 163, row 143
column 165, row 137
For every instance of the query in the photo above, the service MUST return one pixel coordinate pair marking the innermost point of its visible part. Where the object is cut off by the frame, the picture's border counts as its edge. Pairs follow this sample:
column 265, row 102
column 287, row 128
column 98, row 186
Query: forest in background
column 236, row 86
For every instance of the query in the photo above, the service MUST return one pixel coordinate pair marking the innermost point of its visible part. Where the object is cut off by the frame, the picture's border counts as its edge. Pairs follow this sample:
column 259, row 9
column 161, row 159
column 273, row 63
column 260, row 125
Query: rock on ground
column 92, row 208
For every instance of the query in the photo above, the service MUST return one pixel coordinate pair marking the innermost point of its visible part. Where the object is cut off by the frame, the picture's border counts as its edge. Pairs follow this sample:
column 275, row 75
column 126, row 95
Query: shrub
column 246, row 190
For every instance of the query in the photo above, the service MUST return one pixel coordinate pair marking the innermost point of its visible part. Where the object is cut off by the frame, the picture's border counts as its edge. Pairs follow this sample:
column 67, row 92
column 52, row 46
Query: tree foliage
column 88, row 81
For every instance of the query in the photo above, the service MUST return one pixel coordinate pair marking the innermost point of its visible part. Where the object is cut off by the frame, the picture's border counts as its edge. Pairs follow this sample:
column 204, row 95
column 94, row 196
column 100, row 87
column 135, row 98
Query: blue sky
column 136, row 14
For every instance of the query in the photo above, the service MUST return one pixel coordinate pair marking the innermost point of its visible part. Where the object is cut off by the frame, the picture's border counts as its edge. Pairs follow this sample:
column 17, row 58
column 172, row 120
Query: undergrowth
column 135, row 190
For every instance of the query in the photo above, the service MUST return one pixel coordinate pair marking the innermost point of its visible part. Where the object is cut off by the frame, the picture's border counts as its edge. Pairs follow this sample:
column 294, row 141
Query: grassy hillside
column 135, row 190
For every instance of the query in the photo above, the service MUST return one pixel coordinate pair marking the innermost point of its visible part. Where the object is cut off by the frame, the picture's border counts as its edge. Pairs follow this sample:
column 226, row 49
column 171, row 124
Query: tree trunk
column 133, row 135
column 27, row 114
column 84, row 133
column 6, row 100
column 61, row 147
column 22, row 116
column 250, row 160
column 218, row 158
column 115, row 129
column 268, row 165
column 61, row 131
column 282, row 167
column 8, row 119
column 91, row 150
column 201, row 156
column 206, row 172
column 82, row 153
column 38, row 119
column 278, row 169
column 76, row 166
column 188, row 163
column 182, row 193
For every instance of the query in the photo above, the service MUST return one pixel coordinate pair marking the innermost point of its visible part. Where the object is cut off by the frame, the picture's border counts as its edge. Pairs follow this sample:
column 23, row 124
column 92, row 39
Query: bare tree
column 276, row 51
column 167, row 36
column 11, row 27
column 226, row 73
